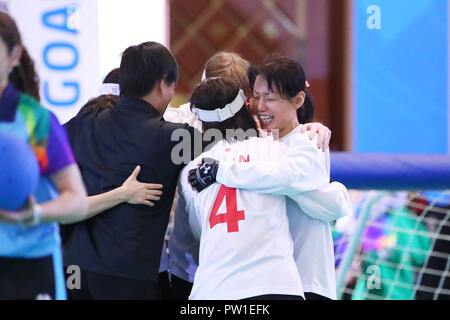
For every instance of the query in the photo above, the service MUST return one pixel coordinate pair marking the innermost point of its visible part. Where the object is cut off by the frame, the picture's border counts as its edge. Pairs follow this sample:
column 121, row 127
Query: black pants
column 174, row 288
column 95, row 286
column 27, row 279
column 314, row 296
column 275, row 297
column 308, row 296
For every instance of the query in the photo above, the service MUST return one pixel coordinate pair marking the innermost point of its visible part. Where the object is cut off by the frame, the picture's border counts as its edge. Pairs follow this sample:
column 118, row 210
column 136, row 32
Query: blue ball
column 19, row 172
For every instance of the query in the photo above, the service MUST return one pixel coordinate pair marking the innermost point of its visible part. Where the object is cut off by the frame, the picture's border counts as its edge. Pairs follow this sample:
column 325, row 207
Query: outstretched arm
column 68, row 182
column 328, row 202
column 324, row 201
column 300, row 168
column 132, row 191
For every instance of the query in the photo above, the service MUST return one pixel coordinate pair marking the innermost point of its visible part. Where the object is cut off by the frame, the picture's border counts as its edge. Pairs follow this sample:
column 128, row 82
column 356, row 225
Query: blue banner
column 400, row 76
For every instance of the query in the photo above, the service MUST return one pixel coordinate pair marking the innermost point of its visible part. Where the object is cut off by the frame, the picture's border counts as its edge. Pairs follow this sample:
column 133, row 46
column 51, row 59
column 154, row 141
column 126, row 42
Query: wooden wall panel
column 310, row 31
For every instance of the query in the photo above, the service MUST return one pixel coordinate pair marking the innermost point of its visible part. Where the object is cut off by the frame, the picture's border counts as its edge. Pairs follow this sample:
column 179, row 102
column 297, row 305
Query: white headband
column 219, row 115
column 109, row 89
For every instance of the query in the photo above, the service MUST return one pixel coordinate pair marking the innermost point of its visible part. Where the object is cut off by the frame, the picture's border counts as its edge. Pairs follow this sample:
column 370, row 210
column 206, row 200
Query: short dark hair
column 216, row 93
column 142, row 66
column 113, row 76
column 288, row 78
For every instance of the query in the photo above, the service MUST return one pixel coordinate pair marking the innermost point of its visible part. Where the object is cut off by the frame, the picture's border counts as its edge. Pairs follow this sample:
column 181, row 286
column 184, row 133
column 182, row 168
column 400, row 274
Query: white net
column 395, row 246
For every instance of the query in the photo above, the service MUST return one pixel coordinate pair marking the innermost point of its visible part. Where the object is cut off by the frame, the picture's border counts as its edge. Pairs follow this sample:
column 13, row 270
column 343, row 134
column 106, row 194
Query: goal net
column 396, row 244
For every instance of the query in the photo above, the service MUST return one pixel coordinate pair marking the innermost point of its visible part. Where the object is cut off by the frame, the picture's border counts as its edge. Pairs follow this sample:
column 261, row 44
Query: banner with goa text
column 62, row 38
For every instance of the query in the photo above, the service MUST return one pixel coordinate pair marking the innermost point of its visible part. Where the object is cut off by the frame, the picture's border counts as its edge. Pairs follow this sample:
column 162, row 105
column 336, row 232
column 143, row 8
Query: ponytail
column 305, row 114
column 24, row 76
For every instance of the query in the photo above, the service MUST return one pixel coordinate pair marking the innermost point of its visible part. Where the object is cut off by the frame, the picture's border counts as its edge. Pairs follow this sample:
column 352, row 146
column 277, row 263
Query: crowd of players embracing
column 252, row 211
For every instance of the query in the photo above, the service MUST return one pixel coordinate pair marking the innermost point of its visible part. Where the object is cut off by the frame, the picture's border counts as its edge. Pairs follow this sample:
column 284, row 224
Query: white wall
column 124, row 23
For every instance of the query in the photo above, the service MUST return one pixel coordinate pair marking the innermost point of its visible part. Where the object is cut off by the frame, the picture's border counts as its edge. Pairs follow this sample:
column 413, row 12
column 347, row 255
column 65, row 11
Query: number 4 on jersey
column 232, row 216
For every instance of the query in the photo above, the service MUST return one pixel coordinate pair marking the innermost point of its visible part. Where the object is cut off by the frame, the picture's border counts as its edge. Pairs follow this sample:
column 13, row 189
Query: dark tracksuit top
column 126, row 240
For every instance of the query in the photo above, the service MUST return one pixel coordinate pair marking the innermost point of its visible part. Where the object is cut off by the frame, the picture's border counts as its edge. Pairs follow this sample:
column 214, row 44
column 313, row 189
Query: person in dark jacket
column 119, row 250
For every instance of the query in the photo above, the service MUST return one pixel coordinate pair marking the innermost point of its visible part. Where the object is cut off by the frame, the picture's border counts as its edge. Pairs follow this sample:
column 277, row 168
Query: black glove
column 205, row 175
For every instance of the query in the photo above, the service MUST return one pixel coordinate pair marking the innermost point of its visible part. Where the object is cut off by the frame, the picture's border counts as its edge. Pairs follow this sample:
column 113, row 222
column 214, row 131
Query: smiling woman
column 279, row 90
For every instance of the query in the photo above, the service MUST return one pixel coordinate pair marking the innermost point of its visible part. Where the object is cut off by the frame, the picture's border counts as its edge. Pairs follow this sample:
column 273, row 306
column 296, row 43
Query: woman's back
column 245, row 245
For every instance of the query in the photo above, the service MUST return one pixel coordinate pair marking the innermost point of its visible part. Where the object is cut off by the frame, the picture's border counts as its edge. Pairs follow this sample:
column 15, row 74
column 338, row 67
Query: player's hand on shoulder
column 204, row 175
column 322, row 132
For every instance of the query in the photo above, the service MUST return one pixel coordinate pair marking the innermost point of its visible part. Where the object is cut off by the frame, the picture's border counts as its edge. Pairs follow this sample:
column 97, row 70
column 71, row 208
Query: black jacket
column 126, row 240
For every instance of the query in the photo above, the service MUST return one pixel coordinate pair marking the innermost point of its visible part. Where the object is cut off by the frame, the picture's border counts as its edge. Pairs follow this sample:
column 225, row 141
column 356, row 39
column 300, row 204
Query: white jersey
column 313, row 243
column 245, row 246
